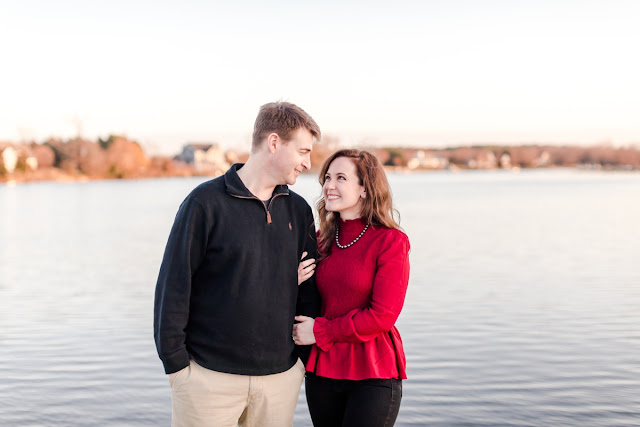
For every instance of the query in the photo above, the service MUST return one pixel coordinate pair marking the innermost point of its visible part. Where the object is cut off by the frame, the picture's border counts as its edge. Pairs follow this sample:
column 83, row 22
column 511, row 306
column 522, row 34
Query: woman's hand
column 306, row 268
column 303, row 332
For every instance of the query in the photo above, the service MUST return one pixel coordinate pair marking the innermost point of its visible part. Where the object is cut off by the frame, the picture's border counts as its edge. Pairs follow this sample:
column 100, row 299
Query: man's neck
column 254, row 176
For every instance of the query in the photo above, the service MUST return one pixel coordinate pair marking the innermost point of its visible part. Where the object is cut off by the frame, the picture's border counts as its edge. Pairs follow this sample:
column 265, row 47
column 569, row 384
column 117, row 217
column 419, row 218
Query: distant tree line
column 119, row 157
column 522, row 156
column 114, row 157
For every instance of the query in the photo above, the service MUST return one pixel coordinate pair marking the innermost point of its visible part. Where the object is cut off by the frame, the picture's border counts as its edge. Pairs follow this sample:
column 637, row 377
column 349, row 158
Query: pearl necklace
column 354, row 240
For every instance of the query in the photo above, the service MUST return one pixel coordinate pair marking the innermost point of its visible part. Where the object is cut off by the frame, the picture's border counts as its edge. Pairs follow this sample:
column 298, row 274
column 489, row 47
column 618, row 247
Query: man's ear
column 272, row 142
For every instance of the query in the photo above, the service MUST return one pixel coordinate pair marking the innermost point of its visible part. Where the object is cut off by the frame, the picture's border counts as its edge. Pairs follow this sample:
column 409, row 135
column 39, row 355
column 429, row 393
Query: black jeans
column 347, row 403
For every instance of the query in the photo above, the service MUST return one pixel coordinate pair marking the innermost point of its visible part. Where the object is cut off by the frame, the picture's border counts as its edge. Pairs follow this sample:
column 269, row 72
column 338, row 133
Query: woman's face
column 342, row 190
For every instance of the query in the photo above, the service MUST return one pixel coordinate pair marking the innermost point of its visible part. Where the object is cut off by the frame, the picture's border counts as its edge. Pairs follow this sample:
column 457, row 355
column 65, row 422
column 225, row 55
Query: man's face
column 293, row 157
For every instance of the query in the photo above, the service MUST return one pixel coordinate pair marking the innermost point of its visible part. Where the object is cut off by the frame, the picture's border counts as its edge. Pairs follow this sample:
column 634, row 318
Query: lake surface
column 523, row 306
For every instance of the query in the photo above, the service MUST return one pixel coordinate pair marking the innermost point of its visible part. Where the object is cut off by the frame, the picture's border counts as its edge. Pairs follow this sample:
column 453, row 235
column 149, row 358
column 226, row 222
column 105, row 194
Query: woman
column 355, row 371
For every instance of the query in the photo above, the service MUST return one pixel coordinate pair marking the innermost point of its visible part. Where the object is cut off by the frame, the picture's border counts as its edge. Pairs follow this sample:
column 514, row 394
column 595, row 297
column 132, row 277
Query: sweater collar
column 352, row 224
column 236, row 187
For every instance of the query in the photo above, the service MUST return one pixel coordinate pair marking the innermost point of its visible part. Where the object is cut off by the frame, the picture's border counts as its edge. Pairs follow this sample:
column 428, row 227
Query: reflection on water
column 522, row 307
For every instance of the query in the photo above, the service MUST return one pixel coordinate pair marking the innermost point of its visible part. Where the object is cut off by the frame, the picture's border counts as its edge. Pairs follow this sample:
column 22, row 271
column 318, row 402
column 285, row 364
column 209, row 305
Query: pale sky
column 422, row 73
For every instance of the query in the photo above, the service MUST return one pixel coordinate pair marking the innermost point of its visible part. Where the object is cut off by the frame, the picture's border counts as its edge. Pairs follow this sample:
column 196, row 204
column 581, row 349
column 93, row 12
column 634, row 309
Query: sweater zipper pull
column 268, row 217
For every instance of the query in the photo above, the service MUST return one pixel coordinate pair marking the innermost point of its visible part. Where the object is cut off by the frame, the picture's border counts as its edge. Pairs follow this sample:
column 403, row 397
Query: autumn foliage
column 522, row 156
column 118, row 157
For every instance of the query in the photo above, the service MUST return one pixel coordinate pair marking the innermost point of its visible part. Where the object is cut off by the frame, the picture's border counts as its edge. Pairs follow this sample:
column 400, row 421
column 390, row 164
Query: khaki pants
column 202, row 397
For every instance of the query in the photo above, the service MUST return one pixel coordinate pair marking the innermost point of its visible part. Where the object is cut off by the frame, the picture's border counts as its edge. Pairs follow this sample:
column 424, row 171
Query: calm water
column 523, row 306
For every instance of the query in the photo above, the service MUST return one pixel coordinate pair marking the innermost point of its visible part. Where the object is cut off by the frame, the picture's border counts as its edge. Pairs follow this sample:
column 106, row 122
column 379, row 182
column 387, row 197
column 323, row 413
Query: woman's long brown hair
column 377, row 207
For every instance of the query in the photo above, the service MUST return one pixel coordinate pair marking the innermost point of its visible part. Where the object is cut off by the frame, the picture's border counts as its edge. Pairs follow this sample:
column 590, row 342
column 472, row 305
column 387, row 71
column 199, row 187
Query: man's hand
column 303, row 332
column 172, row 376
column 306, row 268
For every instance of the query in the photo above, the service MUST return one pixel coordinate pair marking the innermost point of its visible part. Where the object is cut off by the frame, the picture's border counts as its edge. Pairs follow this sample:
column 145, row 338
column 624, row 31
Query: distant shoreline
column 117, row 157
column 400, row 170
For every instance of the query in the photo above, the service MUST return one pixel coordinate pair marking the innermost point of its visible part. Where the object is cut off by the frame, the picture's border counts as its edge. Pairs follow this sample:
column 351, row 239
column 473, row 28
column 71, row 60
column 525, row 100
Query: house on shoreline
column 16, row 158
column 8, row 158
column 205, row 158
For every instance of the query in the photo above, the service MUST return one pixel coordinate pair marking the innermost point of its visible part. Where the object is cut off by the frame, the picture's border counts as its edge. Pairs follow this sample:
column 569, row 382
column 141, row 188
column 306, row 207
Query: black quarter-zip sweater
column 227, row 291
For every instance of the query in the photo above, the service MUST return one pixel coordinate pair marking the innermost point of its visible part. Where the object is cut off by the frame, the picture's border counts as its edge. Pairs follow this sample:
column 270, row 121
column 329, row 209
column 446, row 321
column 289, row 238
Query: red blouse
column 363, row 289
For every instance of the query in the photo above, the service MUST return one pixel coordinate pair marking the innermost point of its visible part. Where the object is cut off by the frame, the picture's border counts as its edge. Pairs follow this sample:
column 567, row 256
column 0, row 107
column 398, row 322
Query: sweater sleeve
column 387, row 298
column 183, row 255
column 308, row 297
column 308, row 303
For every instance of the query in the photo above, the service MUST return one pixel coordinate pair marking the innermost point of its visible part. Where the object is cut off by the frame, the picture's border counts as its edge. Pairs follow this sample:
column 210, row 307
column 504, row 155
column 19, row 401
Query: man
column 227, row 291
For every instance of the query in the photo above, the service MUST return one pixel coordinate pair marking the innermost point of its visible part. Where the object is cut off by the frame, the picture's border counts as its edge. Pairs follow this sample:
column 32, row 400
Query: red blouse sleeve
column 387, row 298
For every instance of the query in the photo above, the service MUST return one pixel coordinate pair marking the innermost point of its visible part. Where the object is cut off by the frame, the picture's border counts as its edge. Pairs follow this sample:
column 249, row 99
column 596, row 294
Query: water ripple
column 523, row 306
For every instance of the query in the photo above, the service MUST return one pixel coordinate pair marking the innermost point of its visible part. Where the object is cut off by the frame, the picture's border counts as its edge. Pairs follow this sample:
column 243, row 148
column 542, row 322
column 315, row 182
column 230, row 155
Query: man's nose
column 307, row 162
